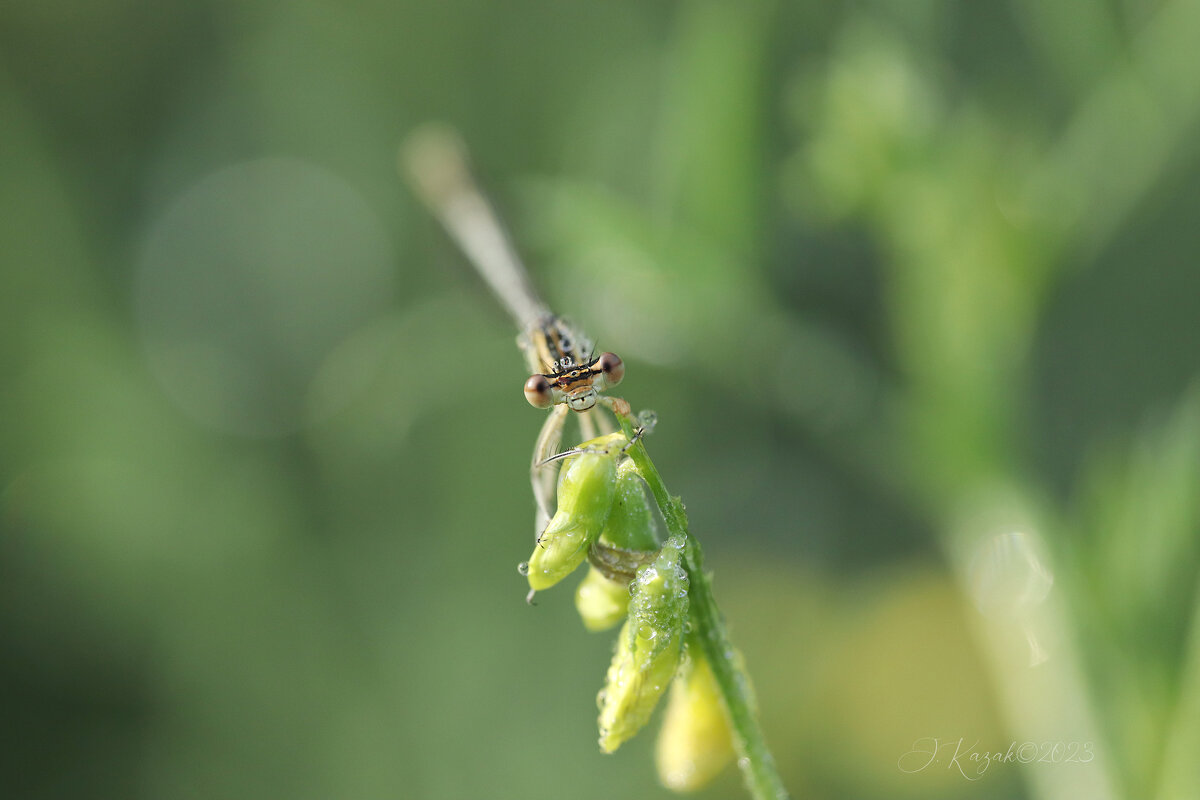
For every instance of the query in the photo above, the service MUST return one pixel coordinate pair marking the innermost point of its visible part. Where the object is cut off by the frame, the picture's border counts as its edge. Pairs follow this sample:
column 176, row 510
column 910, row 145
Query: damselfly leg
column 543, row 469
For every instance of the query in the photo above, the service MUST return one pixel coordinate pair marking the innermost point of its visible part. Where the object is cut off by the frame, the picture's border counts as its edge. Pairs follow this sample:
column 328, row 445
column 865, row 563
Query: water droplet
column 647, row 419
column 523, row 568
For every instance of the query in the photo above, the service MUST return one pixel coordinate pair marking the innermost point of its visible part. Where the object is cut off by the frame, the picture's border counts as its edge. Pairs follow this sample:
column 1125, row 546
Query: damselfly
column 567, row 375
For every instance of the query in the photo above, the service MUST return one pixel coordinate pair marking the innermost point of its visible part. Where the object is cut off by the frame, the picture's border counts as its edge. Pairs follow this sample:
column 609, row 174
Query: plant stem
column 754, row 759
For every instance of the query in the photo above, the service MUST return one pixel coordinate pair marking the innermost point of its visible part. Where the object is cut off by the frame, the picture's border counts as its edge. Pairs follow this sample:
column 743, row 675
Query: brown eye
column 612, row 366
column 537, row 392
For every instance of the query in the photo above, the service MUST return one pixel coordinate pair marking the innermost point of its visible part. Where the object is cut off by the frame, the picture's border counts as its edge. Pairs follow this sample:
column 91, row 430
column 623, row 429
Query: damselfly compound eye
column 612, row 366
column 537, row 392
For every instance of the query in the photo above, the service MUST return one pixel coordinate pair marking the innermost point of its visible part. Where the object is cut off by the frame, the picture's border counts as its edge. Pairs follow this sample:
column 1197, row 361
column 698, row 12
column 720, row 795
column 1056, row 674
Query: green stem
column 708, row 627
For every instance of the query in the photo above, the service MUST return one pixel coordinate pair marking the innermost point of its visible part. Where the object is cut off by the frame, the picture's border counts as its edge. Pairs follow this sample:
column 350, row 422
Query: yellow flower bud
column 648, row 646
column 586, row 487
column 601, row 602
column 695, row 742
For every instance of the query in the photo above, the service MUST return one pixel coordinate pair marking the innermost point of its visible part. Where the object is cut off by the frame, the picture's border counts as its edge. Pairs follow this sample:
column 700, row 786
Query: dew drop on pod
column 648, row 646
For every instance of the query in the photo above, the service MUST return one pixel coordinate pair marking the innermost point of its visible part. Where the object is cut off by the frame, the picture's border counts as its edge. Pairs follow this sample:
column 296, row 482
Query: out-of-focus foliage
column 911, row 287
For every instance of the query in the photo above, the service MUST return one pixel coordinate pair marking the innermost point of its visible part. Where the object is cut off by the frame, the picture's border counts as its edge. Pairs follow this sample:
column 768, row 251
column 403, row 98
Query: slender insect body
column 565, row 373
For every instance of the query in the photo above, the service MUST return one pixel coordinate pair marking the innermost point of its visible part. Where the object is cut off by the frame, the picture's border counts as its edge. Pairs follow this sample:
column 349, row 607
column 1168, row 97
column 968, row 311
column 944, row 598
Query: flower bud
column 586, row 487
column 631, row 524
column 695, row 742
column 648, row 646
column 602, row 602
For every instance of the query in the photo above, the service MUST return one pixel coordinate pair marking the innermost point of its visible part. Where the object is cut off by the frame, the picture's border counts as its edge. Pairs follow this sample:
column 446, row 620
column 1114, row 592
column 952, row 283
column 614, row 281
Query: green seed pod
column 601, row 602
column 695, row 742
column 628, row 541
column 648, row 646
column 586, row 487
column 631, row 525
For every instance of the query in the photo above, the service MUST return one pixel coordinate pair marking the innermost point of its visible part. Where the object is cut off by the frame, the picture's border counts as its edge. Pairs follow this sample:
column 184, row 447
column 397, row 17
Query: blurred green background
column 912, row 287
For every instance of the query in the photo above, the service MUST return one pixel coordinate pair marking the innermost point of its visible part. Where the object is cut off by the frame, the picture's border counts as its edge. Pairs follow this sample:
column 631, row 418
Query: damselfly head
column 578, row 386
